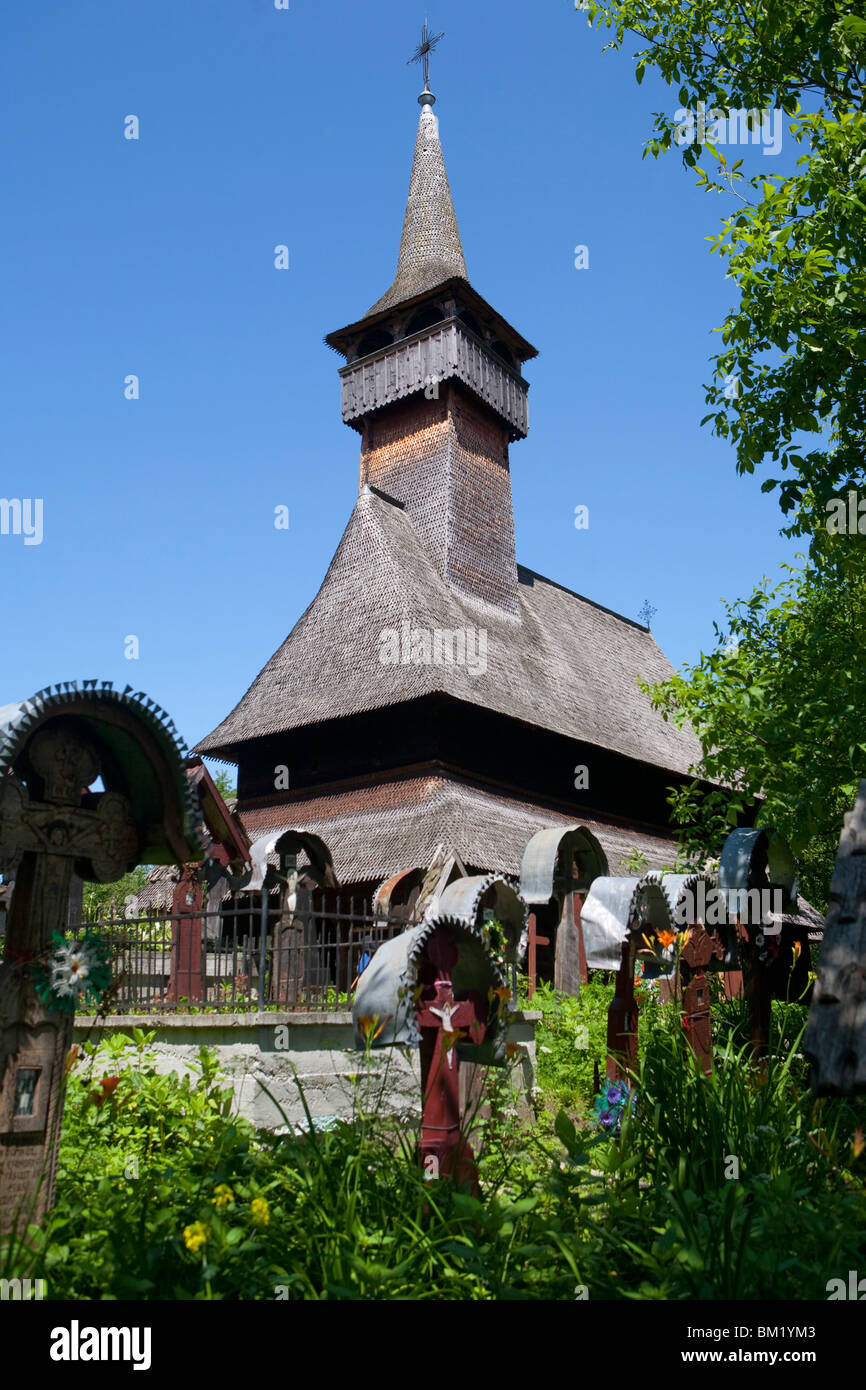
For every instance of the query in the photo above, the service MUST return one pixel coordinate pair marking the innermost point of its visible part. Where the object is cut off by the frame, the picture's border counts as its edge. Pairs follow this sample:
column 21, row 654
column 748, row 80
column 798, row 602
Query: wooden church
column 436, row 693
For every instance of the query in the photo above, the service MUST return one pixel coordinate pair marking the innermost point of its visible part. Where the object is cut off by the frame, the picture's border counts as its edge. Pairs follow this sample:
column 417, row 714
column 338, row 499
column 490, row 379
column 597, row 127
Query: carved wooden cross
column 41, row 842
column 701, row 946
column 442, row 1019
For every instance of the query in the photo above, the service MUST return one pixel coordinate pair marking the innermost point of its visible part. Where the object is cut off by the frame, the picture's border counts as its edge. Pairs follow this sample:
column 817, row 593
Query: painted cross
column 443, row 1020
column 534, row 942
column 700, row 949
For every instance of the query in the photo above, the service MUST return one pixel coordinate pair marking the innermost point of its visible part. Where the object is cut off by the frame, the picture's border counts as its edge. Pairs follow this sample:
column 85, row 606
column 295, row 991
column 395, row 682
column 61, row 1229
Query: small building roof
column 395, row 822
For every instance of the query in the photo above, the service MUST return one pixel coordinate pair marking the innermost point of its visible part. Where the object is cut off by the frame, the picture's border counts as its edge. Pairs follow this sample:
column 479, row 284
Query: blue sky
column 155, row 257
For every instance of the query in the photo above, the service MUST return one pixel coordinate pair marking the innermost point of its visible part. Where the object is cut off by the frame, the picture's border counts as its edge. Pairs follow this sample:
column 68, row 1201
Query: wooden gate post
column 185, row 981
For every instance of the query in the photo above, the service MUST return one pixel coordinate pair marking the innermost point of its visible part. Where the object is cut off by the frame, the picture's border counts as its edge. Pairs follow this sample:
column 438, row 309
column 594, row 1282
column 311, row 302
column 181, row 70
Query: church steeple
column 433, row 384
column 430, row 247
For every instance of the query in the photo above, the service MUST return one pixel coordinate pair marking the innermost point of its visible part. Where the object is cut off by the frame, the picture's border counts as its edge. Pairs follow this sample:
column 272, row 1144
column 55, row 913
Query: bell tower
column 433, row 385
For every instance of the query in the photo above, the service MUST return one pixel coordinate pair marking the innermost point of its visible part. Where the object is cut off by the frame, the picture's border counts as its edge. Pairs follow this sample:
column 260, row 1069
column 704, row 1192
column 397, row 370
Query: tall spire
column 430, row 247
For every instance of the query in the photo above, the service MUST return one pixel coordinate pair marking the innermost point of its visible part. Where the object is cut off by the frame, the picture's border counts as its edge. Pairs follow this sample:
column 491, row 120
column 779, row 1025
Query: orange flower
column 502, row 996
column 859, row 1143
column 666, row 938
column 72, row 1056
column 367, row 1021
column 109, row 1085
column 798, row 946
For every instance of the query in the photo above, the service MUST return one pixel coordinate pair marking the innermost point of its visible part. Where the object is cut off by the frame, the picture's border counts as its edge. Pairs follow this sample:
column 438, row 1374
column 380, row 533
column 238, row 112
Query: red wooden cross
column 442, row 1019
column 534, row 942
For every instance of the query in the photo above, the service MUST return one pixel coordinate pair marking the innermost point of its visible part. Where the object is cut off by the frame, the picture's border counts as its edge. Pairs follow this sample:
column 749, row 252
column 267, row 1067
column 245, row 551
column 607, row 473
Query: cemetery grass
column 164, row 1194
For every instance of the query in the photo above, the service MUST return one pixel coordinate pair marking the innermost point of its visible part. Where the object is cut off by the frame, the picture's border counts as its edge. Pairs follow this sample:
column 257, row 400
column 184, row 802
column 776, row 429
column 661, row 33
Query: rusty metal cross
column 423, row 51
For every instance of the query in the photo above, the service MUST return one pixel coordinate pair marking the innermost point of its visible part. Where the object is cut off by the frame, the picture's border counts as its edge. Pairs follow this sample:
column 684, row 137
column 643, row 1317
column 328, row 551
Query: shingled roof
column 561, row 662
column 430, row 247
column 397, row 823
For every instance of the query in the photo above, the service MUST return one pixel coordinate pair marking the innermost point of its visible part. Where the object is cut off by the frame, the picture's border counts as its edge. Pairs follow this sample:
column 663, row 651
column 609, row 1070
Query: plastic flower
column 73, row 972
column 223, row 1195
column 195, row 1236
column 260, row 1211
column 611, row 1105
column 70, row 969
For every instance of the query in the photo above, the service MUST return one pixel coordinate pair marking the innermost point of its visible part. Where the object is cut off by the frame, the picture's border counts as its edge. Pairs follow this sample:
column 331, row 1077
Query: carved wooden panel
column 420, row 363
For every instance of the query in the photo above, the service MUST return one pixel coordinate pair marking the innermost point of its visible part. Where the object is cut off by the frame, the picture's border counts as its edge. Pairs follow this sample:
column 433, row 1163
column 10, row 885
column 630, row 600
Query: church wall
column 446, row 459
column 481, row 559
column 404, row 453
column 480, row 743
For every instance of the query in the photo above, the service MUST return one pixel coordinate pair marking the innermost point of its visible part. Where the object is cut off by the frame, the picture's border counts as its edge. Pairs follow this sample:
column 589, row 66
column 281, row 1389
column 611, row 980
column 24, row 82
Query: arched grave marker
column 437, row 987
column 558, row 867
column 52, row 748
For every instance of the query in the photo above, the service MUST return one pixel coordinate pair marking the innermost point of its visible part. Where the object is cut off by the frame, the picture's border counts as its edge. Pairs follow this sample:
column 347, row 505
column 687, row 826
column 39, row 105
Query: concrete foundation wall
column 286, row 1053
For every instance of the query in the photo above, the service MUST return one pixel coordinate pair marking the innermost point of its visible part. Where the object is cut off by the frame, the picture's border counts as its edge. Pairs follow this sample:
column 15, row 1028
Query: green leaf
column 565, row 1130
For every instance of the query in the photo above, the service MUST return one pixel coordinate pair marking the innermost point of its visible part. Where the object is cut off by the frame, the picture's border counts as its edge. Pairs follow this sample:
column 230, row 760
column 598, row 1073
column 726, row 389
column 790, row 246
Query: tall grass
column 220, row 1211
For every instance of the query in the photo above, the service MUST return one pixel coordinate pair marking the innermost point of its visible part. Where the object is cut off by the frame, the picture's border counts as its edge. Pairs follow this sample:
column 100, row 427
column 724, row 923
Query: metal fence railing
column 240, row 954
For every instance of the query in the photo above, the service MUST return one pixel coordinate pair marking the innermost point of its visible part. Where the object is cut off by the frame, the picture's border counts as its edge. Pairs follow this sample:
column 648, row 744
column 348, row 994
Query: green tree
column 225, row 785
column 795, row 243
column 97, row 898
column 778, row 708
column 777, row 704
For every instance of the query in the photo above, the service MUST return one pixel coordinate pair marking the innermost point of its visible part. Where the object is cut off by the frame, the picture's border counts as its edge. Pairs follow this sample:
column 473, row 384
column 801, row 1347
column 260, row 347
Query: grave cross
column 41, row 841
column 442, row 1019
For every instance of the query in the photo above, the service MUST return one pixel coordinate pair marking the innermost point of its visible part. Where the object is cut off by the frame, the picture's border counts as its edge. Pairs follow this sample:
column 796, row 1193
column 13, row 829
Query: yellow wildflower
column 195, row 1236
column 223, row 1195
column 260, row 1211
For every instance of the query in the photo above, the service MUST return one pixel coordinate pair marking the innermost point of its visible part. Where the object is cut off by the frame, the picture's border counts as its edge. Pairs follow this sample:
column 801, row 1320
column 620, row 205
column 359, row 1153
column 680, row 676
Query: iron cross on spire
column 423, row 51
